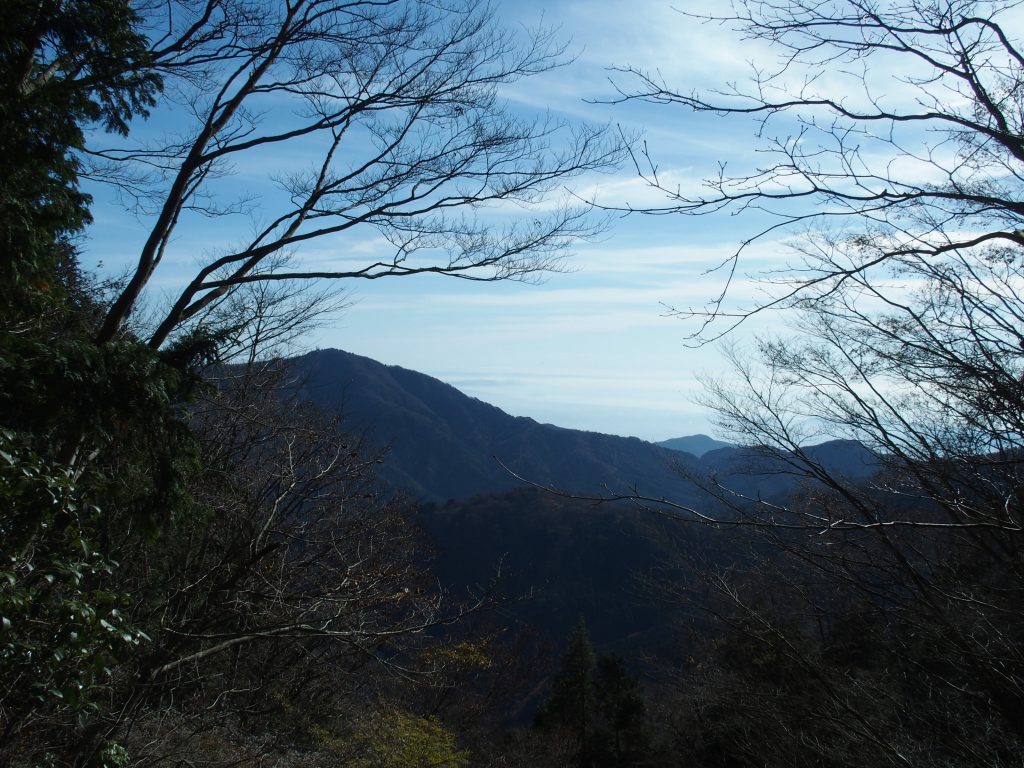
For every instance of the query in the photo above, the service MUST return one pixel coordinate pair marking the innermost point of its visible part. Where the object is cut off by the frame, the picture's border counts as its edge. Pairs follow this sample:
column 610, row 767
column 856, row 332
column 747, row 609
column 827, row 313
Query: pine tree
column 570, row 707
column 598, row 703
column 621, row 712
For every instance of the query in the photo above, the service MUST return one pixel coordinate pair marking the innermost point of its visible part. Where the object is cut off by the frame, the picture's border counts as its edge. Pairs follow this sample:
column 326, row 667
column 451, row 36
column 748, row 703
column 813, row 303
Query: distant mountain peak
column 695, row 445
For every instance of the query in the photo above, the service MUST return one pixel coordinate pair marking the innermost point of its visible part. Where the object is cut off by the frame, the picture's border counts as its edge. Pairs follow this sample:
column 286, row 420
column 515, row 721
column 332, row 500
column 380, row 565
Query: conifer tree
column 570, row 707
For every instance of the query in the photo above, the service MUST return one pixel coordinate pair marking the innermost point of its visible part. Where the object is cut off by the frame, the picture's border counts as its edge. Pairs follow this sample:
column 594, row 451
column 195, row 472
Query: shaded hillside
column 445, row 445
column 577, row 558
column 762, row 473
column 571, row 558
column 553, row 560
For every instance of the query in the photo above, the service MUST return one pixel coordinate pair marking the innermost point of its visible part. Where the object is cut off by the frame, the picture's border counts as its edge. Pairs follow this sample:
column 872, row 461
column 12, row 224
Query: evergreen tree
column 63, row 66
column 570, row 707
column 91, row 436
column 598, row 703
column 621, row 714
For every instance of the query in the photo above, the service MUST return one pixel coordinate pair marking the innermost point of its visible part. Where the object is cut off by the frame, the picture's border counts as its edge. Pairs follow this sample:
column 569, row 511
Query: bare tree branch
column 397, row 107
column 959, row 120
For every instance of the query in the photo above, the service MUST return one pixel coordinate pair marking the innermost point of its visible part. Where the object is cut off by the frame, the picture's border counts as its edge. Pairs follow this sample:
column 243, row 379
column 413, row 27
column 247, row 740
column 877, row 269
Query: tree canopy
column 394, row 108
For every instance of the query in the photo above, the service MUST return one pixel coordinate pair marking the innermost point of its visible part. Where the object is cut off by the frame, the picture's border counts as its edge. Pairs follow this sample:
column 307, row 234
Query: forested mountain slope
column 442, row 444
column 574, row 558
column 445, row 445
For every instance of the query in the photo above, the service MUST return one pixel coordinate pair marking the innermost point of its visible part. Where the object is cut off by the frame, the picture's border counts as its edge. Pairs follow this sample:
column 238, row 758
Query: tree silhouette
column 598, row 703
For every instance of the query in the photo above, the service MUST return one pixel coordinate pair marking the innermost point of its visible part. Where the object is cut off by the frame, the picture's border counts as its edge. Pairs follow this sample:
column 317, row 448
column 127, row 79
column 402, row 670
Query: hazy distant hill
column 696, row 445
column 446, row 445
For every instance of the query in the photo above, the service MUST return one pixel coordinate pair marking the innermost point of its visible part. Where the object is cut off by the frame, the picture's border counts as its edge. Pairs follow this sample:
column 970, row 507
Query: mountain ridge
column 443, row 444
column 576, row 557
column 440, row 444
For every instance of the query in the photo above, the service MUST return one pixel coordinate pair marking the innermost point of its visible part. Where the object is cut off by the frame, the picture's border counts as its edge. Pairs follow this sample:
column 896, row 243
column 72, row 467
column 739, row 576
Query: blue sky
column 591, row 348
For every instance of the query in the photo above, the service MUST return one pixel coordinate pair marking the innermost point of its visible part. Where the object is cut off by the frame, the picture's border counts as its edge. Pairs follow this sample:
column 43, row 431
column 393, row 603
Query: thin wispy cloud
column 594, row 347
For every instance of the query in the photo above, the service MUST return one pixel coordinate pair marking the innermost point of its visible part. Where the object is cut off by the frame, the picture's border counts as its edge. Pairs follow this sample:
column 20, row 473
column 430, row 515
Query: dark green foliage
column 62, row 629
column 98, row 405
column 623, row 739
column 96, row 447
column 93, row 436
column 598, row 703
column 570, row 704
column 63, row 66
column 110, row 412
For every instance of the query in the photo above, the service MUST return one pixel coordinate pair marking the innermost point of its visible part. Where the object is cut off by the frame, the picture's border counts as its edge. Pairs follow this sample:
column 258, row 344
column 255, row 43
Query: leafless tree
column 893, row 130
column 902, row 199
column 393, row 117
column 293, row 586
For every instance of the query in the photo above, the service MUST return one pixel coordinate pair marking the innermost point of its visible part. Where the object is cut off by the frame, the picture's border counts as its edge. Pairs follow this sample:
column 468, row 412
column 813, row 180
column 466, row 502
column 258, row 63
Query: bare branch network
column 894, row 133
column 304, row 565
column 922, row 153
column 397, row 111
